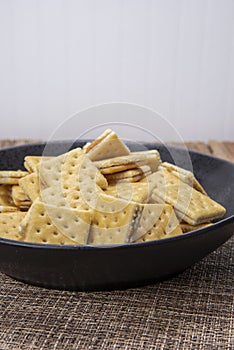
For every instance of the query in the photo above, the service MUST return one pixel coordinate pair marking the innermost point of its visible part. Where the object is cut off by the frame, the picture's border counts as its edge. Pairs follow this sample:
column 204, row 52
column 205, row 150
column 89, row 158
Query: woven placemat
column 191, row 311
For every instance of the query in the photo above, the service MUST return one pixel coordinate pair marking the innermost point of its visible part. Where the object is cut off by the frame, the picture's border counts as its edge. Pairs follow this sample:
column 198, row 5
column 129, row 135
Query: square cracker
column 185, row 176
column 107, row 145
column 5, row 195
column 188, row 228
column 31, row 163
column 72, row 199
column 19, row 197
column 114, row 226
column 30, row 186
column 6, row 201
column 11, row 177
column 190, row 205
column 131, row 161
column 132, row 175
column 166, row 225
column 135, row 192
column 55, row 225
column 70, row 169
column 9, row 223
column 71, row 180
column 130, row 223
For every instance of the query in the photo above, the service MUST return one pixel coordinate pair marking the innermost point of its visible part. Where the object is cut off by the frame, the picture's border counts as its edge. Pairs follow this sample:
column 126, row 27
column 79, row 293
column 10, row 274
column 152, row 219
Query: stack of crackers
column 102, row 194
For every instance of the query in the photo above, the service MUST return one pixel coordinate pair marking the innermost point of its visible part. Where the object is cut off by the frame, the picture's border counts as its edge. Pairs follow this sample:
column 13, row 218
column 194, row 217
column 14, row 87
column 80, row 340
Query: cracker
column 6, row 202
column 19, row 197
column 135, row 178
column 166, row 225
column 135, row 192
column 132, row 175
column 107, row 145
column 129, row 221
column 185, row 176
column 73, row 180
column 7, row 208
column 54, row 225
column 30, row 186
column 5, row 195
column 9, row 223
column 31, row 163
column 70, row 167
column 70, row 199
column 188, row 228
column 11, row 177
column 115, row 226
column 131, row 161
column 190, row 205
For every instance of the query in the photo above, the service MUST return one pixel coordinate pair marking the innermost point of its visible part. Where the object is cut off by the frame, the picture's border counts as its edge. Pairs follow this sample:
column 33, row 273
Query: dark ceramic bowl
column 116, row 267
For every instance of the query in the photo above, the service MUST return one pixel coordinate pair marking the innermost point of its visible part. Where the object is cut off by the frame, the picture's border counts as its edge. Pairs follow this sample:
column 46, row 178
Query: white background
column 57, row 57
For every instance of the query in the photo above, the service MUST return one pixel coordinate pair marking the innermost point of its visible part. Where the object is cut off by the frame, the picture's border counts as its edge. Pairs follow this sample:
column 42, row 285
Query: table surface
column 191, row 311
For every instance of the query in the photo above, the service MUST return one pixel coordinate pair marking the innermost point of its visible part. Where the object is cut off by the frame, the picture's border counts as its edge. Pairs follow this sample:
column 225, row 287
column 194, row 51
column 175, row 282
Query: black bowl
column 117, row 267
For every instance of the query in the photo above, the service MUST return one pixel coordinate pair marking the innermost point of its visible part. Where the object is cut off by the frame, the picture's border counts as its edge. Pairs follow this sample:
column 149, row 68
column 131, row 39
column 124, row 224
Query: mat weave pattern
column 191, row 311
